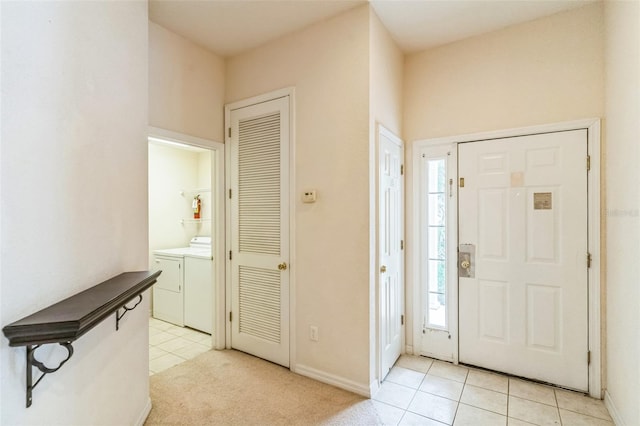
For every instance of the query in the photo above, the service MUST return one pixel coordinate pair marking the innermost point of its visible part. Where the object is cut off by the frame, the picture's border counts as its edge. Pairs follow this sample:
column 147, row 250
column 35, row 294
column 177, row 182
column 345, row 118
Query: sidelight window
column 435, row 255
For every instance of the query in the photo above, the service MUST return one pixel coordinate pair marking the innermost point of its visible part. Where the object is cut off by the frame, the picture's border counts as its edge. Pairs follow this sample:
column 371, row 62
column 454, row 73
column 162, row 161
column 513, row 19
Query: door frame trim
column 289, row 92
column 592, row 125
column 218, row 225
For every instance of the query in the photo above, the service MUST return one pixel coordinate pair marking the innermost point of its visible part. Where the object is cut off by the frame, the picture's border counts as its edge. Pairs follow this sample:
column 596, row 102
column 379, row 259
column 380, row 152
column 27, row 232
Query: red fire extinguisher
column 196, row 207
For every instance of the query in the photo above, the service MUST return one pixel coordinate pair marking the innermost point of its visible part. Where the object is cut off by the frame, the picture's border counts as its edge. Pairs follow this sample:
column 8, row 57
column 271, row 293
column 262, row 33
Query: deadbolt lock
column 282, row 266
column 383, row 269
column 465, row 264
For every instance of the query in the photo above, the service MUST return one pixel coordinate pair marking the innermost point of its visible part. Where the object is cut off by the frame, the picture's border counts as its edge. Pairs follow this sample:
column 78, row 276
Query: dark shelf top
column 70, row 318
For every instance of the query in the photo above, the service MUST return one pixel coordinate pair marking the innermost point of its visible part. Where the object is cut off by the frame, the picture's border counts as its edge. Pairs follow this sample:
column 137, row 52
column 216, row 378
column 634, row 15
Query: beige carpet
column 233, row 388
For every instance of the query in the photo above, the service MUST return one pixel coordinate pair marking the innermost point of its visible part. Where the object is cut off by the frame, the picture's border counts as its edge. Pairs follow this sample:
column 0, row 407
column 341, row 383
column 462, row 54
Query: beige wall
column 387, row 73
column 74, row 199
column 386, row 66
column 186, row 86
column 623, row 209
column 544, row 71
column 328, row 64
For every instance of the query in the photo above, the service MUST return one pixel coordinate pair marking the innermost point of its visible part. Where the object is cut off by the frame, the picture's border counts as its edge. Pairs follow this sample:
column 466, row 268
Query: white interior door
column 523, row 210
column 390, row 236
column 259, row 223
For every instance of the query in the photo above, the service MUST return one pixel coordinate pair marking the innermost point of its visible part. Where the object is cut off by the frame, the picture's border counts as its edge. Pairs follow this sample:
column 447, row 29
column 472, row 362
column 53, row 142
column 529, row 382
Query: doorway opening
column 184, row 227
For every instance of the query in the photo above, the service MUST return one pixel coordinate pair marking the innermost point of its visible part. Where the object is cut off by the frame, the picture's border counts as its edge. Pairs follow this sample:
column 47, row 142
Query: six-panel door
column 523, row 207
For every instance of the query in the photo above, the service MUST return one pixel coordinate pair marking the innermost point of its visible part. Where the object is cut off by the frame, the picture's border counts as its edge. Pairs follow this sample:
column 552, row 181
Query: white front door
column 523, row 295
column 390, row 245
column 259, row 224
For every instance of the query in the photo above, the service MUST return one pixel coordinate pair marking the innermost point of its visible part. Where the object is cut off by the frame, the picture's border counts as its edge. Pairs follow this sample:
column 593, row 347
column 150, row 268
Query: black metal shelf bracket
column 33, row 362
column 125, row 310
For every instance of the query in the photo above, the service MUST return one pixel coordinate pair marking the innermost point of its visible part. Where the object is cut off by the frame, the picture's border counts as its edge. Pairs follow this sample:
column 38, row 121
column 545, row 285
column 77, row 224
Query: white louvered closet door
column 259, row 219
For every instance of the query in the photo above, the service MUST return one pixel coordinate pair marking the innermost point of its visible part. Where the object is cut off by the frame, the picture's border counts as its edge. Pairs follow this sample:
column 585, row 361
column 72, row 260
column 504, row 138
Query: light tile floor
column 170, row 345
column 422, row 391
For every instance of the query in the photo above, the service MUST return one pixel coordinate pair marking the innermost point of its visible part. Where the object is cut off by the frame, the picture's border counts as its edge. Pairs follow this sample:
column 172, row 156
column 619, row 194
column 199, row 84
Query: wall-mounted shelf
column 193, row 221
column 187, row 192
column 67, row 320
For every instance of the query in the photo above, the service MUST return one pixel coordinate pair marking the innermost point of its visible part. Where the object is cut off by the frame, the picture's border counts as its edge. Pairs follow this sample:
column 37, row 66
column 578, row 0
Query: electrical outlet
column 313, row 333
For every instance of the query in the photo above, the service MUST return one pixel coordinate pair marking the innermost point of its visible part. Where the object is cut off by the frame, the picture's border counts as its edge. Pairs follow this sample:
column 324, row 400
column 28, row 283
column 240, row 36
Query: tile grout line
column 414, row 395
column 508, row 398
column 464, row 385
column 555, row 396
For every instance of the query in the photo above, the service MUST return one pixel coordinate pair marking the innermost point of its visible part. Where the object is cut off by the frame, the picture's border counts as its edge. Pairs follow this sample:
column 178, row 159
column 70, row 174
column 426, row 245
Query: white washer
column 184, row 293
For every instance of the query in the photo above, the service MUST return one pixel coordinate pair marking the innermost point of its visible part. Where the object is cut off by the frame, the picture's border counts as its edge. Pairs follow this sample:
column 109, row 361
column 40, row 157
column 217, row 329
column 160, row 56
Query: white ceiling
column 230, row 27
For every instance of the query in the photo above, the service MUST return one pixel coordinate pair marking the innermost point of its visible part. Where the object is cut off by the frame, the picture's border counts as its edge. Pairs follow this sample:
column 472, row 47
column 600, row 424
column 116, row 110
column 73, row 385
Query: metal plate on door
column 467, row 261
column 542, row 200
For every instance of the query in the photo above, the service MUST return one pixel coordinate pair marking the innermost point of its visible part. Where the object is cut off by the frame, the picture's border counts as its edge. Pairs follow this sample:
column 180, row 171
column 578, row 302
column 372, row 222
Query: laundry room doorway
column 186, row 226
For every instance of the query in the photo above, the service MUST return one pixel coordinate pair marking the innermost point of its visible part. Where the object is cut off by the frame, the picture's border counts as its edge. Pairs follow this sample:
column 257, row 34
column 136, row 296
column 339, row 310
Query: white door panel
column 391, row 200
column 524, row 208
column 259, row 183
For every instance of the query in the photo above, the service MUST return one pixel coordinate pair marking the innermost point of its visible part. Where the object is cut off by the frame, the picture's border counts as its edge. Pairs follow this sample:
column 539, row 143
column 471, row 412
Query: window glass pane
column 437, row 175
column 436, row 244
column 432, row 238
column 437, row 310
column 442, row 278
column 435, row 275
column 436, row 209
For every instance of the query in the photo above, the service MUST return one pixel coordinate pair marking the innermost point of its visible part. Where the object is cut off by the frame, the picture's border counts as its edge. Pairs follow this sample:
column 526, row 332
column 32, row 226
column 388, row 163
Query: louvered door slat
column 260, row 303
column 259, row 184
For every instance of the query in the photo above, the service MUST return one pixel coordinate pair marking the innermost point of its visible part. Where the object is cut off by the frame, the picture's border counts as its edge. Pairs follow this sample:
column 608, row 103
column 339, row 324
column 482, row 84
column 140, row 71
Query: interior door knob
column 282, row 266
column 383, row 269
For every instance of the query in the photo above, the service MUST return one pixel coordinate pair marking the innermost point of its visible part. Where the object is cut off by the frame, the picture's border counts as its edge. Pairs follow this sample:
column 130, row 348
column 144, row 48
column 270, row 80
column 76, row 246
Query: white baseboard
column 409, row 350
column 332, row 379
column 613, row 411
column 144, row 414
